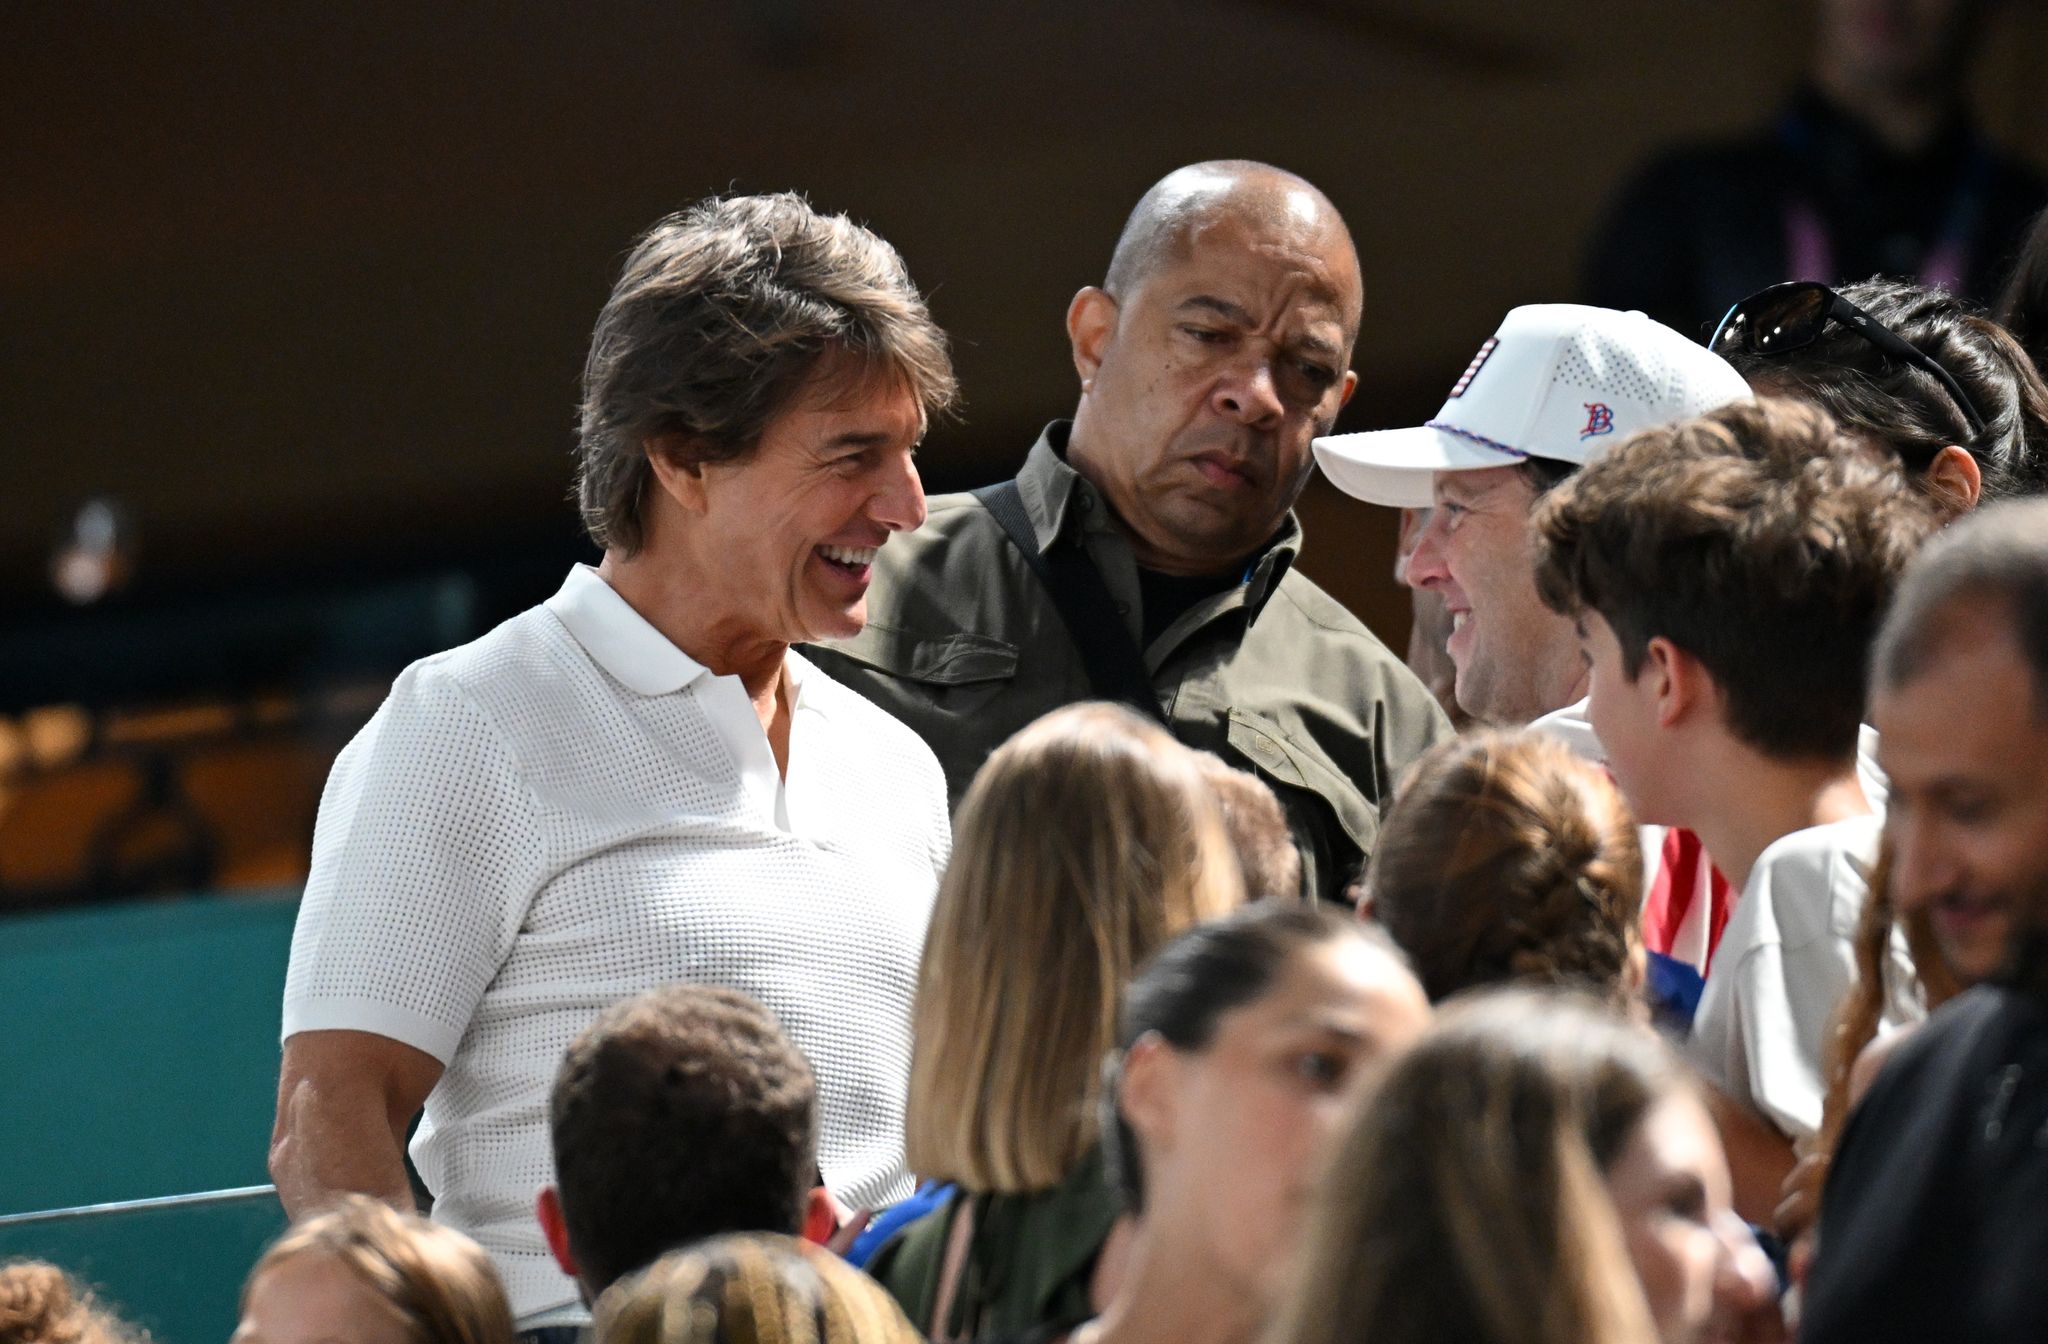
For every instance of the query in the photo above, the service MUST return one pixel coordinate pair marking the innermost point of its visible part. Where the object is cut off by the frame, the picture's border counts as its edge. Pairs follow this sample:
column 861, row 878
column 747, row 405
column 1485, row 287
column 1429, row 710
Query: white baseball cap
column 1559, row 381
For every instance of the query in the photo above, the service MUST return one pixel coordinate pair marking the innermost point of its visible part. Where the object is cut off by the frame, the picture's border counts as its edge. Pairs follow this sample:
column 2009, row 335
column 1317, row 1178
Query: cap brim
column 1394, row 466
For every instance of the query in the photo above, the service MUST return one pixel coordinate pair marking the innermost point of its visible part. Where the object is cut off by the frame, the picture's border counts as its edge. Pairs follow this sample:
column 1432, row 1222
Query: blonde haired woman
column 363, row 1273
column 1085, row 843
column 1534, row 1171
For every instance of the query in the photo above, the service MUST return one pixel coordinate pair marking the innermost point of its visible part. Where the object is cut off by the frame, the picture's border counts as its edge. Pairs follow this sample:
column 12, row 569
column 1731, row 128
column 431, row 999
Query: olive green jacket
column 964, row 645
column 1030, row 1258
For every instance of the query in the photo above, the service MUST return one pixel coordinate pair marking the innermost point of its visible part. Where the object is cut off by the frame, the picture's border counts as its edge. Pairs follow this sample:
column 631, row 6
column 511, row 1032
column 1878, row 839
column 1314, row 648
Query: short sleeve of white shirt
column 1784, row 964
column 571, row 810
column 425, row 856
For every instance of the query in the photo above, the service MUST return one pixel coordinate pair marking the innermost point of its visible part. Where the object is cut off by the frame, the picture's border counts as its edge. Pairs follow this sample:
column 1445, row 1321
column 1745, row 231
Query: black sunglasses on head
column 1790, row 317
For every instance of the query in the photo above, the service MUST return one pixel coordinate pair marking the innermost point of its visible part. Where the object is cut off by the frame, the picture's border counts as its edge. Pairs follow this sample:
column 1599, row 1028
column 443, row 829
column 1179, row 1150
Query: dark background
column 306, row 288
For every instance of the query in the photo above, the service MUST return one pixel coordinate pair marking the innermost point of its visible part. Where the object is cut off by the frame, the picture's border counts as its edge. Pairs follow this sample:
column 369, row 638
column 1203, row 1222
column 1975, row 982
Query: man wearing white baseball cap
column 1549, row 392
column 1552, row 390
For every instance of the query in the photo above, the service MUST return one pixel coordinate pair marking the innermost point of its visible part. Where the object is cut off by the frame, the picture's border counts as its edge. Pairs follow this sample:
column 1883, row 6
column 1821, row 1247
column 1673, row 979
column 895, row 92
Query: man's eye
column 1320, row 1068
column 1690, row 1205
column 1207, row 335
column 1318, row 375
column 1971, row 810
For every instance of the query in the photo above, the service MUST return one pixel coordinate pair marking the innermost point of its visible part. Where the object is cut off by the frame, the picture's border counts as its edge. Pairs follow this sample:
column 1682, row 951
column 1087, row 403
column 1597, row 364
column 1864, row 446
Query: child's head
column 363, row 1273
column 1508, row 858
column 1728, row 574
column 41, row 1304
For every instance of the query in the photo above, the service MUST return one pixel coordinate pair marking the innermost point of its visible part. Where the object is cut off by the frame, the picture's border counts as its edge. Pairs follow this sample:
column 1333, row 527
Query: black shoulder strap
column 1116, row 668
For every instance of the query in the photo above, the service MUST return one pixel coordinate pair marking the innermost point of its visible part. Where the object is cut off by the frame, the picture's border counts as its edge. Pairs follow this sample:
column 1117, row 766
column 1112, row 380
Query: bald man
column 1145, row 552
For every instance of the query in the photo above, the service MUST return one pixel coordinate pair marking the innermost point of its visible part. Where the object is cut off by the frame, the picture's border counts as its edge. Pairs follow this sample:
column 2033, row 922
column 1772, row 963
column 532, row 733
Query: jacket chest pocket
column 1287, row 763
column 957, row 673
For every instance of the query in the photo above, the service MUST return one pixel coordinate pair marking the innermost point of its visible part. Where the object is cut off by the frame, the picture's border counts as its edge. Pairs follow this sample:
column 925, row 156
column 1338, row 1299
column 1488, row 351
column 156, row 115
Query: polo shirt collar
column 1052, row 491
column 619, row 639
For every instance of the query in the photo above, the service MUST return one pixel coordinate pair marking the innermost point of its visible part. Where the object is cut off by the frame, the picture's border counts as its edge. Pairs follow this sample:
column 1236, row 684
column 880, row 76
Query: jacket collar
column 1054, row 493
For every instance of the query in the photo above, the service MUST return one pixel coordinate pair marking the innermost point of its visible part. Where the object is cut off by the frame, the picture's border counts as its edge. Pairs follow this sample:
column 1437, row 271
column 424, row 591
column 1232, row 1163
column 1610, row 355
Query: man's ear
column 1679, row 682
column 547, row 1210
column 1091, row 326
column 1350, row 386
column 1955, row 482
column 677, row 473
column 1148, row 1090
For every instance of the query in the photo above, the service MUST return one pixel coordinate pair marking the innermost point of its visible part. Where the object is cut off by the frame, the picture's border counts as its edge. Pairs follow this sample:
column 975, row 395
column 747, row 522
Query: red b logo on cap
column 1599, row 419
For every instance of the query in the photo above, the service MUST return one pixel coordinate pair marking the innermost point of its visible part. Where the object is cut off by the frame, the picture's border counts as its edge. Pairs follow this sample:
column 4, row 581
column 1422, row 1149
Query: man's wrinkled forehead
column 1505, row 485
column 1226, row 213
column 1293, row 233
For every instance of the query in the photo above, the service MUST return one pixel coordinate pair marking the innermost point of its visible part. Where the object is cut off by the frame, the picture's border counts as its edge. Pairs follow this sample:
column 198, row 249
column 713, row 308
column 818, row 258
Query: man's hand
column 344, row 1099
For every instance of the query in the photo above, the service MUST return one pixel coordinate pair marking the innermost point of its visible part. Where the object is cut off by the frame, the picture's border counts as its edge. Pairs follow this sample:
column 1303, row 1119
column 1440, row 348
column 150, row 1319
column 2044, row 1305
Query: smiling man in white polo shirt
column 638, row 782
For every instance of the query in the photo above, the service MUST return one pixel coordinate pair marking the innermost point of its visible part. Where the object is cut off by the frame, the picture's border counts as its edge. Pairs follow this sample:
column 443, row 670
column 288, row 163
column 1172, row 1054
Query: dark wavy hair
column 1887, row 400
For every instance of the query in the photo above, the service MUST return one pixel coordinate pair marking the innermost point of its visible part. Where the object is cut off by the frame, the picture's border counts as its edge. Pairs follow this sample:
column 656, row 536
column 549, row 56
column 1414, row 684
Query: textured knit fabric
column 964, row 644
column 1783, row 967
column 569, row 811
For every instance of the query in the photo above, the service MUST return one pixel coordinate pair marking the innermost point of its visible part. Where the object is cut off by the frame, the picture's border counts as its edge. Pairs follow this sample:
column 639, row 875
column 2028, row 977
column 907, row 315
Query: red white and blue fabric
column 1686, row 904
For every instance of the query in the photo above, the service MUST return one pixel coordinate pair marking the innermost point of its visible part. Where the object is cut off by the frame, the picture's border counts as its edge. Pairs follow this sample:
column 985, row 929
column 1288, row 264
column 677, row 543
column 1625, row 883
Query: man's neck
column 1754, row 800
column 660, row 590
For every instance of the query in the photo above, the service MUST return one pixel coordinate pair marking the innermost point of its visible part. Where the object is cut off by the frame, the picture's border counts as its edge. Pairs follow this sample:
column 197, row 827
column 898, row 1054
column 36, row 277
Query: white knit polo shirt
column 571, row 810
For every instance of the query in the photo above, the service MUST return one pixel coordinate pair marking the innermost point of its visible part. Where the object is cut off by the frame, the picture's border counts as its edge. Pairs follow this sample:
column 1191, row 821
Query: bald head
column 1264, row 201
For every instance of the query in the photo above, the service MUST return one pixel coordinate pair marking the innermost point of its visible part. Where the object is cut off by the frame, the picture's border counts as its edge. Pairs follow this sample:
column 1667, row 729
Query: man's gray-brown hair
column 1997, row 558
column 721, row 319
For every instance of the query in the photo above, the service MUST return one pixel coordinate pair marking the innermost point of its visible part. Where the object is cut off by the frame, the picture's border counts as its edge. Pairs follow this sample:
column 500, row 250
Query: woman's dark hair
column 1871, row 393
column 1184, row 991
column 2023, row 307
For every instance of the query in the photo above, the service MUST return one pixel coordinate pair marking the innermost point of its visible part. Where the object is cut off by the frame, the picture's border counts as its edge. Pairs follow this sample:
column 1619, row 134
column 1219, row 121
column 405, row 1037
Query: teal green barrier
column 138, row 1044
column 173, row 1266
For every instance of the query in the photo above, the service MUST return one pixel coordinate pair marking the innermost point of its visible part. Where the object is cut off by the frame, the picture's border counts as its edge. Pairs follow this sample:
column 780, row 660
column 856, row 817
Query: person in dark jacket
column 1873, row 166
column 1932, row 1222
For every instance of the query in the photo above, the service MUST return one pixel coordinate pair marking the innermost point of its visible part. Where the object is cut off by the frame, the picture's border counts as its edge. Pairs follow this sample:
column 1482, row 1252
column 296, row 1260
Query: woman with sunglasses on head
column 1534, row 1170
column 1912, row 367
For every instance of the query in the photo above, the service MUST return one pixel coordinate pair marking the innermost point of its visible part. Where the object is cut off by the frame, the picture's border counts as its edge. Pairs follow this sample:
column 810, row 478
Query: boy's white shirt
column 1785, row 961
column 1691, row 943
